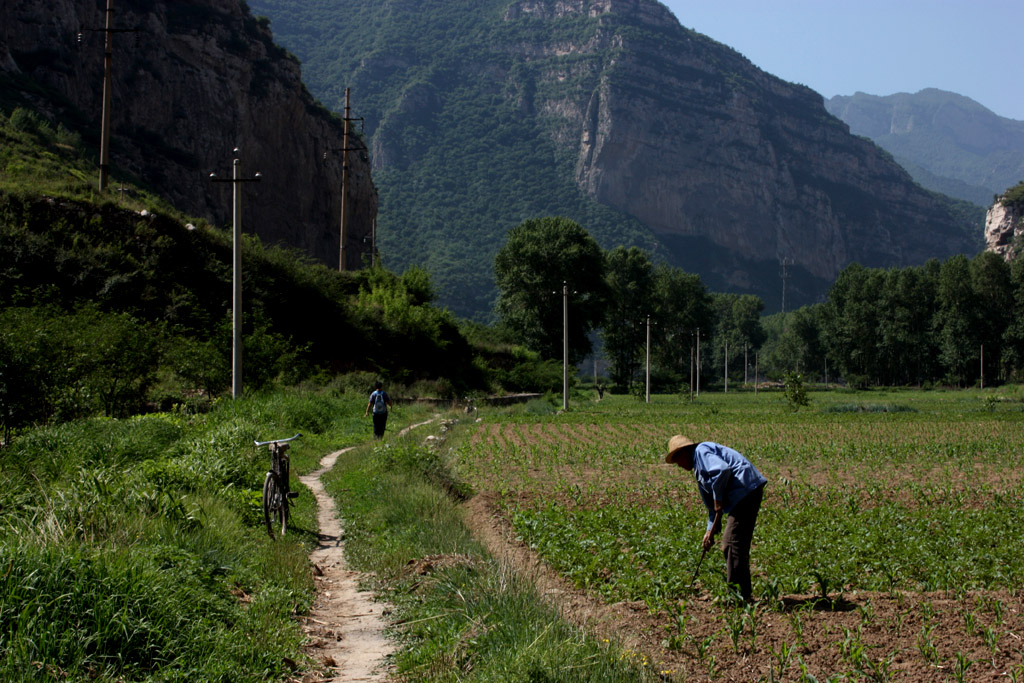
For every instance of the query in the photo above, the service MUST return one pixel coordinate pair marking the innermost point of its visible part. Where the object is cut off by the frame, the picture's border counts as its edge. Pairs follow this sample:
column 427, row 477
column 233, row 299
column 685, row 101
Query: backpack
column 378, row 403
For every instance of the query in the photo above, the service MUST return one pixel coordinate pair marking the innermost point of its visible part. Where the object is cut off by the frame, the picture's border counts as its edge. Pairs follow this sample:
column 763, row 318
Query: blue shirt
column 723, row 474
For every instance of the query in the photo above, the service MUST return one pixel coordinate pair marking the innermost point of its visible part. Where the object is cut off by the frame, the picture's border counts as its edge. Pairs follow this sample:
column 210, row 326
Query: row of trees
column 618, row 292
column 954, row 322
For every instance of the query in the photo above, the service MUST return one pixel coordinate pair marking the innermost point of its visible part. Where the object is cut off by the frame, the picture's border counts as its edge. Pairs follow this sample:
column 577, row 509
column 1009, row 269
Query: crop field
column 888, row 547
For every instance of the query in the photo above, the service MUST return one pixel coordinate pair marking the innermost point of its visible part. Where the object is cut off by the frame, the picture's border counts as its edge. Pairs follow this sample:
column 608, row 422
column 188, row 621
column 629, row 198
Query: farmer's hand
column 709, row 539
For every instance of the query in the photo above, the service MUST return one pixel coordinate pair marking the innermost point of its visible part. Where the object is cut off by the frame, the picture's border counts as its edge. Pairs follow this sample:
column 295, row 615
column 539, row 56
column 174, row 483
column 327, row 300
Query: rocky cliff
column 1004, row 224
column 695, row 141
column 612, row 113
column 194, row 79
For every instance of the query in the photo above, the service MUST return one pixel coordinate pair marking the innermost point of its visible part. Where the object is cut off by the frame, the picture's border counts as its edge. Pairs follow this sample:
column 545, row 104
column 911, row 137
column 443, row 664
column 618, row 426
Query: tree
column 682, row 306
column 538, row 257
column 630, row 278
column 851, row 323
column 1013, row 337
column 955, row 321
column 738, row 325
column 993, row 292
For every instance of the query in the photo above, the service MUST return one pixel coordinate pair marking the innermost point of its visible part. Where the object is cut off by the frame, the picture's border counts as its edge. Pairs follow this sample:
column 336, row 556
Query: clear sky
column 881, row 47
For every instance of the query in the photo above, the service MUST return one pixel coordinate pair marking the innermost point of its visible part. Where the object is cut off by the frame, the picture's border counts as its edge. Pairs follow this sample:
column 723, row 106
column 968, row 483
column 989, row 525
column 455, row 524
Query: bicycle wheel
column 275, row 507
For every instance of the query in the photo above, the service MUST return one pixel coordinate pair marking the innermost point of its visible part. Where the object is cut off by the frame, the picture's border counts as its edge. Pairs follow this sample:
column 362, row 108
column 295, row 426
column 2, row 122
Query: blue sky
column 837, row 47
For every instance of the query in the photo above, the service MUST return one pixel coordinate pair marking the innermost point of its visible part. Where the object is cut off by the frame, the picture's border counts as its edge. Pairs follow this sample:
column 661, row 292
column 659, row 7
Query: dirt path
column 346, row 624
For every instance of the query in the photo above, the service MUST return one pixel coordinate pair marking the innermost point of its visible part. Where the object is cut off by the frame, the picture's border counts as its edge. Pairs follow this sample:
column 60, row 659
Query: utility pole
column 982, row 366
column 755, row 373
column 726, row 371
column 648, row 391
column 565, row 345
column 108, row 70
column 108, row 84
column 342, row 247
column 785, row 276
column 698, row 362
column 345, row 149
column 236, row 270
column 691, row 367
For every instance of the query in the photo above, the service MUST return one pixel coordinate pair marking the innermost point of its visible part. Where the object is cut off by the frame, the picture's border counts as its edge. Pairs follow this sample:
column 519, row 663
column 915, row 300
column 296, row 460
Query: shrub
column 795, row 392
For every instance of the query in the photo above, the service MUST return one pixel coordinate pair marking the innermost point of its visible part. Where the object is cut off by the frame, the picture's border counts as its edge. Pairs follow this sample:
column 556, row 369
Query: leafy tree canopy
column 539, row 257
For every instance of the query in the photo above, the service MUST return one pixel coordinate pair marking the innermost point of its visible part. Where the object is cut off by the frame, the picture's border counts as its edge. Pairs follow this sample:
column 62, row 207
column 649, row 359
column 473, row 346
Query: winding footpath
column 346, row 625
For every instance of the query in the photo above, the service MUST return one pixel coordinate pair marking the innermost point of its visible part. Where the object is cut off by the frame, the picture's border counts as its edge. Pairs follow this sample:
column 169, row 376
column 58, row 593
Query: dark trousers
column 380, row 421
column 739, row 531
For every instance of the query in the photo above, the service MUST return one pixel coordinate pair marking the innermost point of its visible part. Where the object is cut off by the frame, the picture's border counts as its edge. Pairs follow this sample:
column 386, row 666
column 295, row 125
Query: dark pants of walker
column 739, row 531
column 380, row 421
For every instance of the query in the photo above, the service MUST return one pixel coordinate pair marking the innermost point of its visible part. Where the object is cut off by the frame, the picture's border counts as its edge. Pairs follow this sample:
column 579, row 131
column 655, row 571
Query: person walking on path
column 729, row 485
column 379, row 403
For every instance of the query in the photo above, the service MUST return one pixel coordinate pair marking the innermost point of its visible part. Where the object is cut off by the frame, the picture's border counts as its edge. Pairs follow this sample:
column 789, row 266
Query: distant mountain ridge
column 482, row 113
column 948, row 142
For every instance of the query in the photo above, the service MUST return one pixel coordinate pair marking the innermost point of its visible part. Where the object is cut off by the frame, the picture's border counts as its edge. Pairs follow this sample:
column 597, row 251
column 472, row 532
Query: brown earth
column 869, row 636
column 346, row 624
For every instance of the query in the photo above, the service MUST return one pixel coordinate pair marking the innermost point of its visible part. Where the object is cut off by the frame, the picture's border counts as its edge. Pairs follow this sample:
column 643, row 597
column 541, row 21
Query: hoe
column 718, row 519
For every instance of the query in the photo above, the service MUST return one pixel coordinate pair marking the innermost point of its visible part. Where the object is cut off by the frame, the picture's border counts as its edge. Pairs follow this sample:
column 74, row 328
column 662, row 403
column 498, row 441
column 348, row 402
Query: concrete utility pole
column 342, row 247
column 691, row 367
column 108, row 69
column 108, row 84
column 565, row 346
column 982, row 366
column 236, row 270
column 698, row 362
column 755, row 373
column 343, row 220
column 726, row 369
column 648, row 372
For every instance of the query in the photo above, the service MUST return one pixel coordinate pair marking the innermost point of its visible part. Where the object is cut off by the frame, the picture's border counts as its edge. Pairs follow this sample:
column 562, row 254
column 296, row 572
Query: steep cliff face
column 695, row 141
column 198, row 79
column 611, row 113
column 1003, row 225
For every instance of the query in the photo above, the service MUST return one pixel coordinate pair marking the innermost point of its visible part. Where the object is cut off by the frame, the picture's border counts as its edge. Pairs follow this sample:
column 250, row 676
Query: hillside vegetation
column 465, row 163
column 948, row 142
column 117, row 302
column 481, row 115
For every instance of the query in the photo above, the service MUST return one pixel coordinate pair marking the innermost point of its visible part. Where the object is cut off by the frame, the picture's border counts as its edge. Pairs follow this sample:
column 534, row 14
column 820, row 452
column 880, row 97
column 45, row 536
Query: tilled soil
column 974, row 636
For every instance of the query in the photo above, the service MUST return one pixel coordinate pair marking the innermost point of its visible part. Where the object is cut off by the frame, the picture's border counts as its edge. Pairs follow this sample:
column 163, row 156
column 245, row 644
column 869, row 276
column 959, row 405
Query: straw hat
column 676, row 445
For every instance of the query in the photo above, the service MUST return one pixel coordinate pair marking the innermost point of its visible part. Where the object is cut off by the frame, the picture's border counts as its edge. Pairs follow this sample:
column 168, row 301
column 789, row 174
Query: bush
column 795, row 392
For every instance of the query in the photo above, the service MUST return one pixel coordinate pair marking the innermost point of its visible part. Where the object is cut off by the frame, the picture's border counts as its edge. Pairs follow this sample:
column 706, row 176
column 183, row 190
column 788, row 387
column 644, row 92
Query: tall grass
column 466, row 616
column 134, row 549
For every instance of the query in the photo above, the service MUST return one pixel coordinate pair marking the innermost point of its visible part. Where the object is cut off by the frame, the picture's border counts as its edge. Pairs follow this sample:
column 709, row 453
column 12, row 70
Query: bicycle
column 277, row 493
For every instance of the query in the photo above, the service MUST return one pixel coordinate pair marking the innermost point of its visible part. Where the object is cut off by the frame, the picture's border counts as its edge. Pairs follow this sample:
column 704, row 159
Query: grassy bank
column 462, row 615
column 134, row 549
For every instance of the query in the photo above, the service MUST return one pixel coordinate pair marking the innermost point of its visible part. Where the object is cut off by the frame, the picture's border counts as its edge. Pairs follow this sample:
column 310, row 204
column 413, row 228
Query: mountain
column 192, row 80
column 482, row 113
column 948, row 142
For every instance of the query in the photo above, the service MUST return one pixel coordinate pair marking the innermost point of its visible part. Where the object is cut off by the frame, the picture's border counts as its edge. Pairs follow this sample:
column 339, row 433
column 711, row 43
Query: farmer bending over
column 730, row 485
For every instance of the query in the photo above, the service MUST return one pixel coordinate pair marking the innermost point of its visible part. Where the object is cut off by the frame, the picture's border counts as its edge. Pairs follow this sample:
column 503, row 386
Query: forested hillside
column 483, row 113
column 948, row 142
column 456, row 161
column 110, row 303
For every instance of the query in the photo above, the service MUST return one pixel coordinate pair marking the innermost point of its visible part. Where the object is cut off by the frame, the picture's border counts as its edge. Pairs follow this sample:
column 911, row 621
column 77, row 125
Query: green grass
column 858, row 483
column 470, row 617
column 134, row 549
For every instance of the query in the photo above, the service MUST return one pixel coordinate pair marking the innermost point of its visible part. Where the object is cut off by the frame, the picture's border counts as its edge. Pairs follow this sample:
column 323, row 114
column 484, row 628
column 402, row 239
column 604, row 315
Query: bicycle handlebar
column 264, row 443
